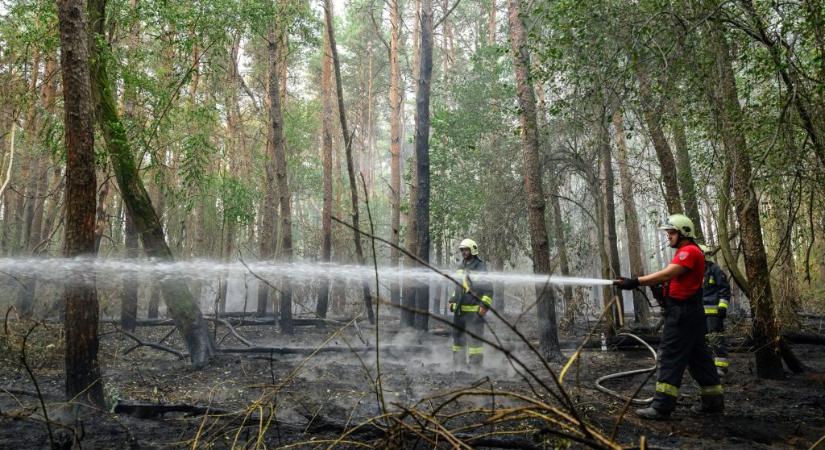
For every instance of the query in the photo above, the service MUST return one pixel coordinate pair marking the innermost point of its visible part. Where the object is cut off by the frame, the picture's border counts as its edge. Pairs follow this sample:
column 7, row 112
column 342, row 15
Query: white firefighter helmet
column 471, row 244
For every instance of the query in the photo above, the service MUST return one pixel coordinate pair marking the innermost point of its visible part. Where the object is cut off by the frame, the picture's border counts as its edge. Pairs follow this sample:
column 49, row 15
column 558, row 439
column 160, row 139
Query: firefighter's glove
column 452, row 307
column 482, row 311
column 626, row 283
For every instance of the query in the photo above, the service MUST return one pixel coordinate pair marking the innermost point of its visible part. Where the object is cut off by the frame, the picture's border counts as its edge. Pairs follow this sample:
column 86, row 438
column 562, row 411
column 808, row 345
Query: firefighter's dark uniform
column 683, row 343
column 466, row 308
column 715, row 296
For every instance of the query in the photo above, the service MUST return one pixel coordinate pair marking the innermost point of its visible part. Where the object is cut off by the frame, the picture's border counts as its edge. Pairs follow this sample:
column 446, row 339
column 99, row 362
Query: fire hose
column 629, row 373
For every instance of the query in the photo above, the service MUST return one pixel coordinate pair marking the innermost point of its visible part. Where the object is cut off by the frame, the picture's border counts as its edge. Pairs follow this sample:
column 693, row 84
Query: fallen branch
column 804, row 338
column 232, row 331
column 153, row 410
column 141, row 343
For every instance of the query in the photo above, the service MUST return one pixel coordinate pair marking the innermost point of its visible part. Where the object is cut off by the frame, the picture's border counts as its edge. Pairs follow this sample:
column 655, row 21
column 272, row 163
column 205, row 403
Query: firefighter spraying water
column 683, row 344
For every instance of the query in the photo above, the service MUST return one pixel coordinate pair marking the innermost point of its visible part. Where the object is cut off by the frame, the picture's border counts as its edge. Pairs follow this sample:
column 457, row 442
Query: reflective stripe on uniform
column 476, row 351
column 469, row 308
column 723, row 303
column 458, row 348
column 711, row 310
column 667, row 389
column 716, row 389
column 487, row 300
column 721, row 362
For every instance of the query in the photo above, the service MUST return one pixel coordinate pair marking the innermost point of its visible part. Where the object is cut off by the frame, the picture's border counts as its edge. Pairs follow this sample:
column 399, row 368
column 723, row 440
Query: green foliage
column 473, row 150
column 237, row 201
column 196, row 149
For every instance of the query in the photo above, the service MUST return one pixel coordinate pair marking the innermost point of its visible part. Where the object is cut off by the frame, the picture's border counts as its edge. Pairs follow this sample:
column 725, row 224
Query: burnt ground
column 315, row 397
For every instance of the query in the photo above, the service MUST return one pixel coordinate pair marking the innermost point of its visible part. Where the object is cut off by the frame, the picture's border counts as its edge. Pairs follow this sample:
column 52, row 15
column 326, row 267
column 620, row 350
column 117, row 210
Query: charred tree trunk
column 83, row 380
column 726, row 106
column 276, row 132
column 634, row 235
column 181, row 305
column 326, row 157
column 422, row 155
column 548, row 331
column 359, row 250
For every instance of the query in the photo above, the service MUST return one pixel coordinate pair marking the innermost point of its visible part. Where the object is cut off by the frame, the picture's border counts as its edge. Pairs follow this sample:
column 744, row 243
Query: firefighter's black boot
column 651, row 413
column 710, row 404
column 460, row 359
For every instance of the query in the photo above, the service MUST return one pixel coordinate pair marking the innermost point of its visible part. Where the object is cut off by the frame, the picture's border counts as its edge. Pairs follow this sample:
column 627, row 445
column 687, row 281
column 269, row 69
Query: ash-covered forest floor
column 316, row 397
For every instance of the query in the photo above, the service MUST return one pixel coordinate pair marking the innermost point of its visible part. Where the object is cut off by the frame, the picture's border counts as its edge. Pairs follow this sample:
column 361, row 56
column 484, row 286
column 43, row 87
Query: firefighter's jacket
column 715, row 290
column 482, row 291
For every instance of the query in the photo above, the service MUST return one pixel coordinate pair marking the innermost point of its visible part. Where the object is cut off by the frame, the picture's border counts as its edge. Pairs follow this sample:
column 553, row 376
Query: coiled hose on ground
column 629, row 373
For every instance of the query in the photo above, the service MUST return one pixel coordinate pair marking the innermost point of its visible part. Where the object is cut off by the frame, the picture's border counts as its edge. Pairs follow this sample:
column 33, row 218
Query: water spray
column 88, row 269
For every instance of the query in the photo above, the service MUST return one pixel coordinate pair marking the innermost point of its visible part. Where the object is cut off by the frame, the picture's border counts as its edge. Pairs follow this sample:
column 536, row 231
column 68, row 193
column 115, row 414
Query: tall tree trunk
column 409, row 294
column 23, row 193
column 641, row 310
column 268, row 211
column 129, row 303
column 54, row 205
column 48, row 92
column 326, row 157
column 410, row 291
column 652, row 116
column 726, row 106
column 100, row 214
column 83, row 381
column 686, row 182
column 276, row 124
column 359, row 251
column 268, row 217
column 561, row 247
column 422, row 155
column 152, row 310
column 179, row 301
column 491, row 24
column 612, row 240
column 602, row 247
column 238, row 144
column 548, row 330
column 395, row 145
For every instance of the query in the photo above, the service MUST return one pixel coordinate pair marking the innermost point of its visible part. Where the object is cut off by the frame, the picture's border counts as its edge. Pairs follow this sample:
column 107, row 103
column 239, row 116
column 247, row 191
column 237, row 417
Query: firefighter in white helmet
column 683, row 343
column 469, row 303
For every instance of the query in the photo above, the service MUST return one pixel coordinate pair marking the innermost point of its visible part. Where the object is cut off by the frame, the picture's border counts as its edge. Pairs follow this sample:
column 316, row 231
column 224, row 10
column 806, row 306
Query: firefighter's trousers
column 683, row 347
column 716, row 341
column 463, row 343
